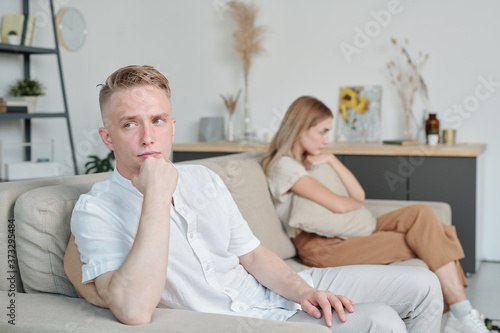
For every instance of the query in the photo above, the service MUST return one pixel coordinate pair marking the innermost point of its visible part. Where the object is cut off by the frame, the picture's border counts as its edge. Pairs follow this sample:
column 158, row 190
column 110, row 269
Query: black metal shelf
column 26, row 52
column 5, row 116
column 21, row 49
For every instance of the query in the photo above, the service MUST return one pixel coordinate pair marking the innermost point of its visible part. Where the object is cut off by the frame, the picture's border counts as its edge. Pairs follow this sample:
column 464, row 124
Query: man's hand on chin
column 156, row 174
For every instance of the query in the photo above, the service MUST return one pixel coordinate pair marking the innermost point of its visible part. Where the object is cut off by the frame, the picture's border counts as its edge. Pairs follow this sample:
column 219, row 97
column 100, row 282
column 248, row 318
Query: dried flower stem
column 230, row 102
column 406, row 77
column 248, row 41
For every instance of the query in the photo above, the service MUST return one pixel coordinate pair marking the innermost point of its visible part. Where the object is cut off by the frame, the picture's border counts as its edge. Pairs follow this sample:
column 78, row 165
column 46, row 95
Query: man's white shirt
column 207, row 235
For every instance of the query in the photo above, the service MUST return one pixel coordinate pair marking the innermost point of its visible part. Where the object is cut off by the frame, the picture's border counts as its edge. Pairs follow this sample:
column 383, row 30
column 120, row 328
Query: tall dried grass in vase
column 406, row 76
column 230, row 102
column 248, row 43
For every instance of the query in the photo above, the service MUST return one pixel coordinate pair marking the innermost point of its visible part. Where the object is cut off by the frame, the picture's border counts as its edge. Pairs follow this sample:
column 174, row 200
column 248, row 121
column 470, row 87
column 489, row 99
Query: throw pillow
column 314, row 218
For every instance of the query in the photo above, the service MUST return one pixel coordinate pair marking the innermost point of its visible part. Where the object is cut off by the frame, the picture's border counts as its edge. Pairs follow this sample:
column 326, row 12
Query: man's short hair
column 131, row 76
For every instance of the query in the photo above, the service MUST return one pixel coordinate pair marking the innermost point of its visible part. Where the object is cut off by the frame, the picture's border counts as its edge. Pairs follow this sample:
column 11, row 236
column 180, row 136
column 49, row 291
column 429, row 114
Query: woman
column 410, row 232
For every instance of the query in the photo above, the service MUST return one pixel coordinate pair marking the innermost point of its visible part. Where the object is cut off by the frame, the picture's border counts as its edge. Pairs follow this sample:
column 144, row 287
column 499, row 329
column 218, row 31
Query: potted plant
column 29, row 89
column 96, row 164
column 13, row 38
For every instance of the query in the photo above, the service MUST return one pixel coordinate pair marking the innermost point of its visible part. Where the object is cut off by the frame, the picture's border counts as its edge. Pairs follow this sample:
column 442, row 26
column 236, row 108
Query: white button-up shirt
column 207, row 235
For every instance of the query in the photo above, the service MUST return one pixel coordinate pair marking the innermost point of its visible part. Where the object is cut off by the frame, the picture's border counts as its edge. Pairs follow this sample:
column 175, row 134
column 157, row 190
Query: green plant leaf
column 27, row 87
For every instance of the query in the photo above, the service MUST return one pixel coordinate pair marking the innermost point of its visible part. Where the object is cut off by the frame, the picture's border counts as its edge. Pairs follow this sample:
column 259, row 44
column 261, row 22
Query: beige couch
column 36, row 295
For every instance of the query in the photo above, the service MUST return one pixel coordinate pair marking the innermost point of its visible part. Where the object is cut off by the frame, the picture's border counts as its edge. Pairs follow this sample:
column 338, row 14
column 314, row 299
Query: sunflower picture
column 359, row 113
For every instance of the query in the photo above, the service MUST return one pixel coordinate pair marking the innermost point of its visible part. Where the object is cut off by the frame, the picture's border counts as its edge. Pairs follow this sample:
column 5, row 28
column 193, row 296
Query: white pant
column 387, row 298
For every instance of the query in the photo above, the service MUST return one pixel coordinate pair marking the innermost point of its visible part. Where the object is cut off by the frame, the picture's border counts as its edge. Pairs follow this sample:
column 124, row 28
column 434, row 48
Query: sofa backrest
column 9, row 193
column 43, row 215
column 247, row 183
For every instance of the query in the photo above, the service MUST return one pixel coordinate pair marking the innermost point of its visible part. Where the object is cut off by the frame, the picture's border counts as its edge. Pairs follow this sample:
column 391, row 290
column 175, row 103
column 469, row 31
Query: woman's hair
column 131, row 76
column 304, row 113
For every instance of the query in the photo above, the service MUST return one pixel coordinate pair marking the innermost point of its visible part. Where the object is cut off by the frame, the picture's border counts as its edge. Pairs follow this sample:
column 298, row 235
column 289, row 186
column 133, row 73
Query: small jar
column 431, row 125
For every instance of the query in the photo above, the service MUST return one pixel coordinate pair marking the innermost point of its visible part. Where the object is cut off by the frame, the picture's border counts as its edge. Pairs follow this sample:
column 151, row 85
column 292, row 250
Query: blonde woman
column 411, row 232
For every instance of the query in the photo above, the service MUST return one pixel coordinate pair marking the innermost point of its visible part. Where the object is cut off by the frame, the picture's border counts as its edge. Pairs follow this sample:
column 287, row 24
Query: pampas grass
column 247, row 41
column 247, row 37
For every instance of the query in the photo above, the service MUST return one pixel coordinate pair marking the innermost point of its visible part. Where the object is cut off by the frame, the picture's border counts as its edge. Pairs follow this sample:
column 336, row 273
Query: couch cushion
column 42, row 232
column 49, row 313
column 245, row 179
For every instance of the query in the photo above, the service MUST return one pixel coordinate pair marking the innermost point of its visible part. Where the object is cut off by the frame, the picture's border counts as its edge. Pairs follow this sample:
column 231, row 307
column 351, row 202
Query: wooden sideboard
column 424, row 173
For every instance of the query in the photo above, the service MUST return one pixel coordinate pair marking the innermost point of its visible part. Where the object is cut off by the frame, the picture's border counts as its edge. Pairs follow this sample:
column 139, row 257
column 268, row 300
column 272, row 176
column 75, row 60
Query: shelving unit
column 26, row 53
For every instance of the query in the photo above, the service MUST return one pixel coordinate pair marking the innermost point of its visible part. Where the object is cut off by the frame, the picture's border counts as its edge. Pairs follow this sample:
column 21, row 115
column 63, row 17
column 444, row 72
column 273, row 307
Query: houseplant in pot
column 13, row 38
column 29, row 89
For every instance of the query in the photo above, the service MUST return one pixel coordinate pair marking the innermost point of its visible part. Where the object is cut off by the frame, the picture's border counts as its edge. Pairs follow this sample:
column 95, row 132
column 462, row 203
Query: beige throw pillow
column 314, row 218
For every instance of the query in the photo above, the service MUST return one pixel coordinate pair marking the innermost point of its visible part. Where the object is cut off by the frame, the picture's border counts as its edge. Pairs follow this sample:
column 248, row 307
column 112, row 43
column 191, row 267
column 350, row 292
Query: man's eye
column 158, row 121
column 128, row 125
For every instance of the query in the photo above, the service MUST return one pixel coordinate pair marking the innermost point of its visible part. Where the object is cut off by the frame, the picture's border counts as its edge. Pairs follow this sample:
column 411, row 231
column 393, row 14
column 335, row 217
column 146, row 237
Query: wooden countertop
column 457, row 150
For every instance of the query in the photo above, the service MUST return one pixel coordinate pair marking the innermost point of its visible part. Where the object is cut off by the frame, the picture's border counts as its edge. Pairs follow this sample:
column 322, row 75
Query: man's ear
column 173, row 128
column 106, row 138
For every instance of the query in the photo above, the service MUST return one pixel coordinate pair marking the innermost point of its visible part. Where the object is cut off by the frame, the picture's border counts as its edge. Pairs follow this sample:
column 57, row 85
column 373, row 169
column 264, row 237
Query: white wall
column 190, row 42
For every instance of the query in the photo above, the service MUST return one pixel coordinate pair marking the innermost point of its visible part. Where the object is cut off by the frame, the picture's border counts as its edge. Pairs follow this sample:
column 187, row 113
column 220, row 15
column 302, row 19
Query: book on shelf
column 30, row 28
column 16, row 109
column 12, row 23
column 401, row 142
column 16, row 105
column 16, row 101
column 3, row 105
column 16, row 23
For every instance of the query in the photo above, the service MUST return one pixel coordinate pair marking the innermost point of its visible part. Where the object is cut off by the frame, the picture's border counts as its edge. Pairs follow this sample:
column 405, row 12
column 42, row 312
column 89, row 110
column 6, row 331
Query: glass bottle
column 432, row 123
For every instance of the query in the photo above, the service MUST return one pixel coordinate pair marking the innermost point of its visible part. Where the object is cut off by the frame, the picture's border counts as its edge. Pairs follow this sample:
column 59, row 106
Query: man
column 145, row 244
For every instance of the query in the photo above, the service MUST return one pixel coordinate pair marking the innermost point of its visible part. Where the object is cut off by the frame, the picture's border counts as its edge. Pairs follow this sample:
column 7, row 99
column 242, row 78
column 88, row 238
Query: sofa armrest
column 381, row 207
column 46, row 313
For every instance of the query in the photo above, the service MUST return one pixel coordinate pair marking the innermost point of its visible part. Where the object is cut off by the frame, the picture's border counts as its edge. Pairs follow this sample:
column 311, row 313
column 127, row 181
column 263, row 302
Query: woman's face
column 315, row 138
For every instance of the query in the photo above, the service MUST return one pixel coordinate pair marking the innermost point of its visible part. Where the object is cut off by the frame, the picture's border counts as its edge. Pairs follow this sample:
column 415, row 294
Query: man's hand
column 325, row 300
column 158, row 175
column 274, row 274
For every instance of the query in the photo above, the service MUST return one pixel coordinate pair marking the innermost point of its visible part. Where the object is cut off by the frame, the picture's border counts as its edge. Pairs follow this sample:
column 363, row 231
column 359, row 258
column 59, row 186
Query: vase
column 31, row 101
column 408, row 125
column 13, row 39
column 230, row 129
column 246, row 117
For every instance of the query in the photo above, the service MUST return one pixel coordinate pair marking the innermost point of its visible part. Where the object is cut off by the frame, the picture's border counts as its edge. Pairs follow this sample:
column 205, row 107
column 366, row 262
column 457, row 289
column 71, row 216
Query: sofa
column 36, row 295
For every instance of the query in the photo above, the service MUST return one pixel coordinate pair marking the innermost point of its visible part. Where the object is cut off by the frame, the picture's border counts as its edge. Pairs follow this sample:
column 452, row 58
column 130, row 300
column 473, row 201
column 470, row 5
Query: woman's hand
column 311, row 160
column 350, row 182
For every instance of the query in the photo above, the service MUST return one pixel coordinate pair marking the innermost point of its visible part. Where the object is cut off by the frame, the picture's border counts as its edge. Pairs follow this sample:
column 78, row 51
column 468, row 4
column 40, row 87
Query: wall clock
column 71, row 28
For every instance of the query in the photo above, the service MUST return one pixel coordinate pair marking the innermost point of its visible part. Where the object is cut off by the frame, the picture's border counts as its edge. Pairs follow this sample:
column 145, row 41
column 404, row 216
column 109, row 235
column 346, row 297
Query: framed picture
column 358, row 117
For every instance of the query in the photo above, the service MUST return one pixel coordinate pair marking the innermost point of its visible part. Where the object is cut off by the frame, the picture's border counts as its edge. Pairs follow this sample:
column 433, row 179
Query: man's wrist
column 158, row 197
column 304, row 294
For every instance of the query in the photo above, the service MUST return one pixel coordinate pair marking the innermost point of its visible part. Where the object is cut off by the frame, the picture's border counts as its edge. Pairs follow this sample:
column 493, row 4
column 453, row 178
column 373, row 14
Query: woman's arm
column 350, row 182
column 310, row 188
